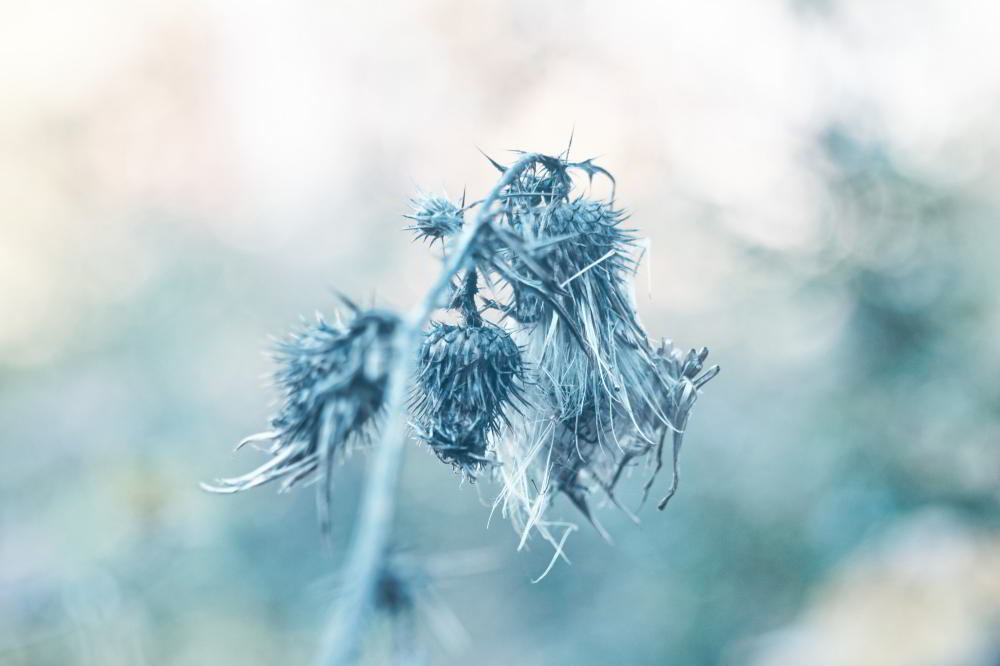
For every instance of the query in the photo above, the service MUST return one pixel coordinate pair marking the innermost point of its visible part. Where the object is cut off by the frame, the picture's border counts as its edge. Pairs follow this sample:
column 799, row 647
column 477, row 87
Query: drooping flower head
column 333, row 380
column 469, row 377
column 601, row 395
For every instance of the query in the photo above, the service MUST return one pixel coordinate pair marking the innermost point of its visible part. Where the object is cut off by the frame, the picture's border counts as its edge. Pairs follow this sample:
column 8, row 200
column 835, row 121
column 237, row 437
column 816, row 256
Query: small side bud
column 434, row 217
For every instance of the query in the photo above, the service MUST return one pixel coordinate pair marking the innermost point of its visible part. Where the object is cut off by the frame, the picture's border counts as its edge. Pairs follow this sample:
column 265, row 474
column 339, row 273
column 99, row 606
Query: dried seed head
column 600, row 395
column 435, row 217
column 592, row 235
column 591, row 355
column 468, row 378
column 578, row 242
column 333, row 377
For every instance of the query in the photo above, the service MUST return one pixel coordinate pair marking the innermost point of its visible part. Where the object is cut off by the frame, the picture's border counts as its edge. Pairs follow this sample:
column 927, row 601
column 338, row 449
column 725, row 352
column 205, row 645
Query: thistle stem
column 342, row 638
column 465, row 298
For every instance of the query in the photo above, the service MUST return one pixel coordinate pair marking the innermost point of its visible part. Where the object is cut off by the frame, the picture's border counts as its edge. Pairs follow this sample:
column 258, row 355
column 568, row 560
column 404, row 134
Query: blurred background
column 820, row 185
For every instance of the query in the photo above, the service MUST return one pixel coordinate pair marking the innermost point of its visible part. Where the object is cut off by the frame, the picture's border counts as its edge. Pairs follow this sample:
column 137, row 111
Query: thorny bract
column 548, row 382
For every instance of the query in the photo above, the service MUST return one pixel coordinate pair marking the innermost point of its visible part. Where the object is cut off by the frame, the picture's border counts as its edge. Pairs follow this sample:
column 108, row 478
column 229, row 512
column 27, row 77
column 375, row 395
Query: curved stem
column 465, row 298
column 342, row 638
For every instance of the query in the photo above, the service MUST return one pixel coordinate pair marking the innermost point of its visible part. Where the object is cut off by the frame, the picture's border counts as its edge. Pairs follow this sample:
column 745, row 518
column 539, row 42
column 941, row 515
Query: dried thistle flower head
column 601, row 395
column 434, row 217
column 586, row 235
column 333, row 377
column 469, row 377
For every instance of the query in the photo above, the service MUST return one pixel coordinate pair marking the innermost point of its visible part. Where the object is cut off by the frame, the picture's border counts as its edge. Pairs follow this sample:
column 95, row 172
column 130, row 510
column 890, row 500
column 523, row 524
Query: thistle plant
column 547, row 382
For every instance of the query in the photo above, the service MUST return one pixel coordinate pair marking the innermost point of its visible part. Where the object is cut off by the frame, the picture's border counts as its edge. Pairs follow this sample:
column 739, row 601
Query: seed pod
column 333, row 377
column 435, row 217
column 468, row 377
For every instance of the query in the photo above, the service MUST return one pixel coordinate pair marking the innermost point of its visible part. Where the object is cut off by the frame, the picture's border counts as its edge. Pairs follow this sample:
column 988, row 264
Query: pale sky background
column 258, row 122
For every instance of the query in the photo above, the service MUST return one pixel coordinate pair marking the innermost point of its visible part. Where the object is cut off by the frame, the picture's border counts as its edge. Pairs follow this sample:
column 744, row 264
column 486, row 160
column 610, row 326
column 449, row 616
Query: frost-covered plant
column 548, row 382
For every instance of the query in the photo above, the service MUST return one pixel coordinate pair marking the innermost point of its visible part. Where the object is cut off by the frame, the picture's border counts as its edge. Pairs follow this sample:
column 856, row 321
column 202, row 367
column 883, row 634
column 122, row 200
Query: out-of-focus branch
column 342, row 638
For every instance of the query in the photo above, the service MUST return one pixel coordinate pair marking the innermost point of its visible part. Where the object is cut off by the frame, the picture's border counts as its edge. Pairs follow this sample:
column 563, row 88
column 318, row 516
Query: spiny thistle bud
column 592, row 239
column 468, row 376
column 435, row 217
column 333, row 377
column 584, row 250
